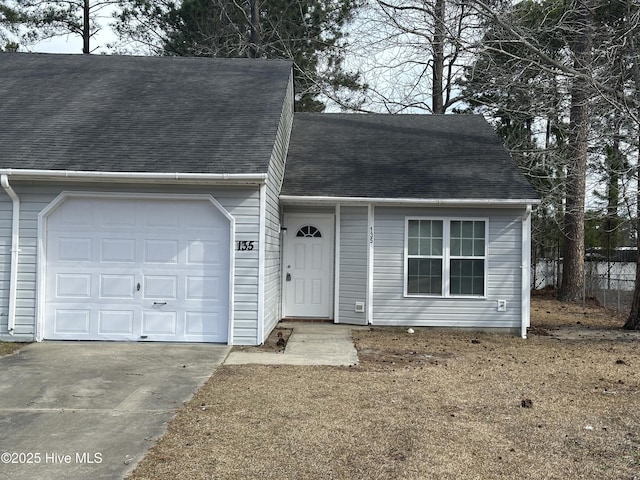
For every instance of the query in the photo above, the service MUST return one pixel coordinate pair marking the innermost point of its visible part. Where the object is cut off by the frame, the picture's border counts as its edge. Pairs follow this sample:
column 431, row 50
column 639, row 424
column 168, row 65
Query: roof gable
column 139, row 114
column 400, row 157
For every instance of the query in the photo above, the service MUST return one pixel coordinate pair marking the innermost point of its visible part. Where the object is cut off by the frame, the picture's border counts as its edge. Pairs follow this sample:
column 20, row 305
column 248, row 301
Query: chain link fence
column 610, row 284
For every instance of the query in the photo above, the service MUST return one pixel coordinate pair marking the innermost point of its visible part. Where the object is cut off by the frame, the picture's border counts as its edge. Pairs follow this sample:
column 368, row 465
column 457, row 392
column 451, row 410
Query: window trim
column 446, row 257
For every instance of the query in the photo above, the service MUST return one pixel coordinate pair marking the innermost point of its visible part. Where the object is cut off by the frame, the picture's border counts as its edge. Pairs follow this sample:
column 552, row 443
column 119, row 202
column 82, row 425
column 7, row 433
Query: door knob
column 288, row 277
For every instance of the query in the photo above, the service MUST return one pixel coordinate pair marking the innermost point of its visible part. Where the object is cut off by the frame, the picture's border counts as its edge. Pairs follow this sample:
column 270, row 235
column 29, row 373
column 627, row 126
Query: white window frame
column 446, row 257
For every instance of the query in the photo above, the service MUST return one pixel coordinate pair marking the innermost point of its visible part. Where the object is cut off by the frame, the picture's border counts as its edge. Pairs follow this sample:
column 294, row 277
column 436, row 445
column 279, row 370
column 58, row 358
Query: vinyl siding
column 390, row 307
column 241, row 202
column 272, row 271
column 353, row 263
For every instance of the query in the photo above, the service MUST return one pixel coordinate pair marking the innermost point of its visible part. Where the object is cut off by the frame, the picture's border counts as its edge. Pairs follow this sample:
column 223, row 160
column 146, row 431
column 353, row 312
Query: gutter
column 15, row 249
column 453, row 202
column 140, row 177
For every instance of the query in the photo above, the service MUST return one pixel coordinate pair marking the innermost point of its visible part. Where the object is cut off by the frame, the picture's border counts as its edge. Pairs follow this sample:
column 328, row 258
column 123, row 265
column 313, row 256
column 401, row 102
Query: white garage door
column 137, row 269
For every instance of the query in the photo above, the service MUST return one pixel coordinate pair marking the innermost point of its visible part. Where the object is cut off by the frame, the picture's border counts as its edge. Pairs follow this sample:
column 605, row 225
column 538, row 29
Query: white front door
column 308, row 266
column 137, row 269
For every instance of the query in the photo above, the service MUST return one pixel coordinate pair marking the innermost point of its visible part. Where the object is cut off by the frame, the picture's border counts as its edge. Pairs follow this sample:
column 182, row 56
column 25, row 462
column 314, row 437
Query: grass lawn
column 438, row 404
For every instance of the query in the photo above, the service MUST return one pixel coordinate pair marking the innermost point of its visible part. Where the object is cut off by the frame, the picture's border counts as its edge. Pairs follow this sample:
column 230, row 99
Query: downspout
column 336, row 267
column 370, row 257
column 525, row 300
column 15, row 241
column 262, row 249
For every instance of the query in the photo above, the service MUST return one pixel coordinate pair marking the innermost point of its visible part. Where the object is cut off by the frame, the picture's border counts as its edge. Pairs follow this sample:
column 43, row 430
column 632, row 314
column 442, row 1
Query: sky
column 66, row 44
column 73, row 43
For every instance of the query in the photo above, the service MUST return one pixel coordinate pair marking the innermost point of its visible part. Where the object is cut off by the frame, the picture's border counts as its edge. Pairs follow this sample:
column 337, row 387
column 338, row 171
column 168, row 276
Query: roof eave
column 137, row 177
column 427, row 202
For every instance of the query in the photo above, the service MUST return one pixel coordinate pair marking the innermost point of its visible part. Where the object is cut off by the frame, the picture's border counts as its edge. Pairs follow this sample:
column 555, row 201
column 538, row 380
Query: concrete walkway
column 309, row 344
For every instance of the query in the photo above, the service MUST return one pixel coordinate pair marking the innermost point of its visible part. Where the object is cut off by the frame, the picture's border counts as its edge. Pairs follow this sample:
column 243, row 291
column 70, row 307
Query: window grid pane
column 467, row 238
column 467, row 277
column 425, row 237
column 425, row 276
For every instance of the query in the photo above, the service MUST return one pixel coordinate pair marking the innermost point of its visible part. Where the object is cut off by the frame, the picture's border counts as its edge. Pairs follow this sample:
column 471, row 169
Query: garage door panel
column 159, row 323
column 72, row 321
column 204, row 218
column 202, row 288
column 116, row 215
column 197, row 323
column 205, row 252
column 116, row 322
column 120, row 286
column 118, row 250
column 161, row 287
column 76, row 214
column 161, row 251
column 74, row 249
column 153, row 218
column 73, row 285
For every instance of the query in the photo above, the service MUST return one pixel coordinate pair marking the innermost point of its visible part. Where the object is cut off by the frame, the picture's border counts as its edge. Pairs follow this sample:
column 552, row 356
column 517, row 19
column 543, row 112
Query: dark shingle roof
column 139, row 114
column 400, row 156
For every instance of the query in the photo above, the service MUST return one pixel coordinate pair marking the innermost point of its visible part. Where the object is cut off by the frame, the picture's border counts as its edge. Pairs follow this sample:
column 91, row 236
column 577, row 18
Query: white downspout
column 262, row 251
column 525, row 300
column 336, row 266
column 370, row 257
column 15, row 242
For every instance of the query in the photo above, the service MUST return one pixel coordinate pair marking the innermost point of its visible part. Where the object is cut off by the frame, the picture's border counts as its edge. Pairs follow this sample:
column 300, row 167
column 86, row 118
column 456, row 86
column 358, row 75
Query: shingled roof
column 139, row 114
column 400, row 157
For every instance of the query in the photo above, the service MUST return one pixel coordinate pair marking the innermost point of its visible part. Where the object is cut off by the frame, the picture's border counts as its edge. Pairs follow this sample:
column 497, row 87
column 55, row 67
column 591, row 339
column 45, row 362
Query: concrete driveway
column 79, row 410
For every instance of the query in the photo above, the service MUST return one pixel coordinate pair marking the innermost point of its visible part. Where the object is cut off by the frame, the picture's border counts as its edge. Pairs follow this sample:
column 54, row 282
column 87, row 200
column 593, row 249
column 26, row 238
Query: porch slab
column 309, row 344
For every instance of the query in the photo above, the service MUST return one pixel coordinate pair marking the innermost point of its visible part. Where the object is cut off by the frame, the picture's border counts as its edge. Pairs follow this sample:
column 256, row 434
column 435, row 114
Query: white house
column 181, row 199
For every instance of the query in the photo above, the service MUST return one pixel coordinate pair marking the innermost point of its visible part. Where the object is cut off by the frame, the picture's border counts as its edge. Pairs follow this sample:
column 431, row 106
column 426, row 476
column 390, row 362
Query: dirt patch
column 7, row 348
column 394, row 347
column 573, row 321
column 276, row 342
column 435, row 404
column 549, row 313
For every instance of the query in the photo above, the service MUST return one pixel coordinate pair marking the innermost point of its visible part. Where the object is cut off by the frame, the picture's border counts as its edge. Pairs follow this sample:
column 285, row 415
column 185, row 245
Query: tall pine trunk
column 439, row 32
column 633, row 322
column 572, row 286
column 256, row 36
column 86, row 32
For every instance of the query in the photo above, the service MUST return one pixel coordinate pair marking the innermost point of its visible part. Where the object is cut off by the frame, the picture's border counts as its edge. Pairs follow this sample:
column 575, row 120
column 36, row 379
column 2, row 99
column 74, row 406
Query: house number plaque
column 244, row 245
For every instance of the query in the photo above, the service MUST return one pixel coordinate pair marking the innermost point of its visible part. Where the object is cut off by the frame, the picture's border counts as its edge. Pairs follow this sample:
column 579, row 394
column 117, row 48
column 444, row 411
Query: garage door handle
column 159, row 303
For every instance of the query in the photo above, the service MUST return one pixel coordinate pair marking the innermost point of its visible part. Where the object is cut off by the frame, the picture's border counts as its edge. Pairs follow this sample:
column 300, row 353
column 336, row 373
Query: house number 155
column 245, row 245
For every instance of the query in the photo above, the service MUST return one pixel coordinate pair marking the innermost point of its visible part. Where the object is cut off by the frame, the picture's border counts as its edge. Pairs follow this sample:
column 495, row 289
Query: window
column 425, row 257
column 445, row 257
column 309, row 231
column 467, row 258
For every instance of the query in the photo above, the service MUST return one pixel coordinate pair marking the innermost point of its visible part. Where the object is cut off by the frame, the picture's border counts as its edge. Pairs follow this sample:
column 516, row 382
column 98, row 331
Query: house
column 181, row 199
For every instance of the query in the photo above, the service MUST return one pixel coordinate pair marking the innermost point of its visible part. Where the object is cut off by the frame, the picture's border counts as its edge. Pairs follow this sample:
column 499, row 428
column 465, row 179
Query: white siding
column 353, row 263
column 390, row 307
column 273, row 269
column 241, row 202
